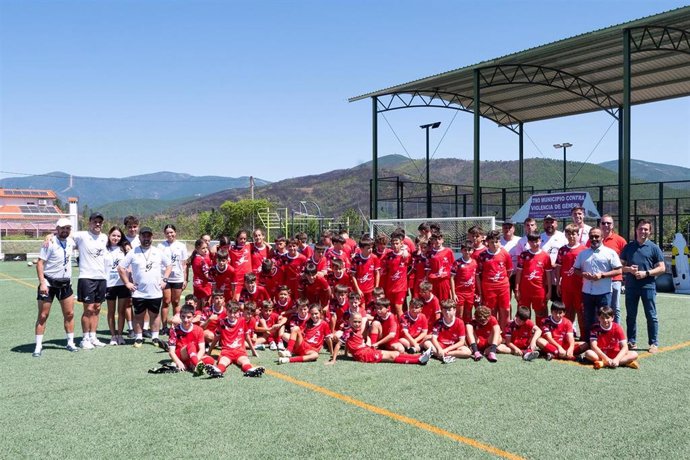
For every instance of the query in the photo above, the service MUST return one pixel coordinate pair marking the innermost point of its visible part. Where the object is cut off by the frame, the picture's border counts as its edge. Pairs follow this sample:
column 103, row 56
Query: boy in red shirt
column 448, row 335
column 533, row 278
column 240, row 260
column 463, row 282
column 608, row 344
column 440, row 262
column 298, row 320
column 270, row 277
column 431, row 307
column 292, row 266
column 521, row 336
column 210, row 314
column 414, row 327
column 318, row 259
column 283, row 303
column 338, row 276
column 365, row 270
column 338, row 251
column 381, row 245
column 222, row 274
column 557, row 337
column 476, row 236
column 338, row 304
column 252, row 292
column 493, row 271
column 315, row 288
column 304, row 345
column 384, row 332
column 568, row 284
column 186, row 345
column 394, row 272
column 419, row 266
column 484, row 335
column 267, row 327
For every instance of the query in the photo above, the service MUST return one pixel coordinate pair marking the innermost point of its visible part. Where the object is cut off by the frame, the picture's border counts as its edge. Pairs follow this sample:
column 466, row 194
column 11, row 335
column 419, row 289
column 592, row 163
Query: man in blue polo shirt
column 642, row 262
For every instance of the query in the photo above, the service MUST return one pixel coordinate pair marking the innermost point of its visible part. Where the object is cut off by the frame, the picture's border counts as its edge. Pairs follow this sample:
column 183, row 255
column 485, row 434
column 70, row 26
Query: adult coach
column 597, row 265
column 91, row 287
column 54, row 270
column 613, row 240
column 552, row 240
column 642, row 262
column 150, row 268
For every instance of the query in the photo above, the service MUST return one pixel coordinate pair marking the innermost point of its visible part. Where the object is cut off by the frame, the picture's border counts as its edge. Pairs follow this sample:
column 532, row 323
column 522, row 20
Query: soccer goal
column 454, row 229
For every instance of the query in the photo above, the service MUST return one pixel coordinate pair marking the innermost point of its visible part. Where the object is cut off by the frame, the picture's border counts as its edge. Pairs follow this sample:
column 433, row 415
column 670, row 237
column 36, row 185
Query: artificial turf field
column 103, row 403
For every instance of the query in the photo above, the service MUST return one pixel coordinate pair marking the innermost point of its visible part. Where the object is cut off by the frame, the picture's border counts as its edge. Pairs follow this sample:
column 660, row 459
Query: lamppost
column 564, row 146
column 428, row 182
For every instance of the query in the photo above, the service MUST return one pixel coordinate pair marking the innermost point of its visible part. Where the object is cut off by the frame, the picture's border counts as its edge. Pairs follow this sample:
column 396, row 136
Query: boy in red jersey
column 210, row 315
column 557, row 337
column 222, row 274
column 462, row 282
column 431, row 305
column 283, row 304
column 381, row 245
column 200, row 263
column 608, row 344
column 362, row 353
column 304, row 247
column 533, row 278
column 279, row 248
column 419, row 266
column 521, row 336
column 267, row 327
column 315, row 288
column 298, row 319
column 342, row 322
column 493, row 270
column 568, row 284
column 448, row 335
column 414, row 327
column 484, row 335
column 259, row 251
column 338, row 276
column 476, row 236
column 270, row 277
column 186, row 344
column 292, row 265
column 440, row 262
column 337, row 251
column 304, row 345
column 365, row 270
column 337, row 305
column 240, row 260
column 252, row 292
column 394, row 272
column 318, row 259
column 384, row 332
column 251, row 319
column 231, row 333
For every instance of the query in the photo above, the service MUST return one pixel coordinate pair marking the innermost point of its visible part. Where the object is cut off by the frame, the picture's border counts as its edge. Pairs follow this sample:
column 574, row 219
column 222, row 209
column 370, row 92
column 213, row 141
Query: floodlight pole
column 428, row 181
column 564, row 146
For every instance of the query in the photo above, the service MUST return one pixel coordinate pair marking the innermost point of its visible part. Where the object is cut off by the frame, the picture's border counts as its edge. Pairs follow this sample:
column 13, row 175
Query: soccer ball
column 29, row 264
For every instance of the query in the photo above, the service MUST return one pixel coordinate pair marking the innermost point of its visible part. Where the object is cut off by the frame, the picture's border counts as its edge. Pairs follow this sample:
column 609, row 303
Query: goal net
column 454, row 229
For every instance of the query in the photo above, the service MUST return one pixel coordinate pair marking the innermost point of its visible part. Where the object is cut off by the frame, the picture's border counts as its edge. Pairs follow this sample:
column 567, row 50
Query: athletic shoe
column 213, row 371
column 410, row 350
column 147, row 333
column 281, row 346
column 448, row 359
column 477, row 356
column 491, row 357
column 138, row 343
column 97, row 343
column 37, row 354
column 283, row 360
column 120, row 340
column 633, row 365
column 255, row 372
column 131, row 334
column 164, row 331
column 653, row 349
column 273, row 347
column 548, row 357
column 632, row 346
column 71, row 347
column 530, row 355
column 284, row 354
column 199, row 369
column 424, row 358
column 113, row 342
column 160, row 343
column 599, row 364
column 86, row 345
column 260, row 347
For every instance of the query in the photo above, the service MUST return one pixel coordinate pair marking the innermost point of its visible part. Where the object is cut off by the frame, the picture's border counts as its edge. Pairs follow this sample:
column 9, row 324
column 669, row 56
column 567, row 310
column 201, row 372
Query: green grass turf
column 103, row 402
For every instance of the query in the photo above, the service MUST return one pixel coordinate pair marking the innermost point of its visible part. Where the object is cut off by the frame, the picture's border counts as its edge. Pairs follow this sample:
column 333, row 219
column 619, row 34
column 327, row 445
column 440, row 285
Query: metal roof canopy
column 586, row 73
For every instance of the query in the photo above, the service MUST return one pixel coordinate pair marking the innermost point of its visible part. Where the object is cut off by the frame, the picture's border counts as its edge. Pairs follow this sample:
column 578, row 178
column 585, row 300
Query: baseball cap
column 96, row 215
column 508, row 222
column 63, row 222
column 549, row 217
column 145, row 230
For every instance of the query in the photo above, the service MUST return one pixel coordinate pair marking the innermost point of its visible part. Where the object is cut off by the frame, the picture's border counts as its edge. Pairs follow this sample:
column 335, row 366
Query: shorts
column 482, row 343
column 536, row 303
column 139, row 306
column 441, row 288
column 61, row 293
column 496, row 298
column 232, row 355
column 91, row 291
column 302, row 349
column 117, row 292
column 368, row 355
column 389, row 345
column 511, row 281
column 521, row 343
column 170, row 285
column 572, row 299
column 397, row 298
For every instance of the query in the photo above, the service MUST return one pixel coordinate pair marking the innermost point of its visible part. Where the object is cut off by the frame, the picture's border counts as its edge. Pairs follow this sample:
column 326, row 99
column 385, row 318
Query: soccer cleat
column 160, row 343
column 97, row 343
column 255, row 372
column 281, row 346
column 410, row 350
column 284, row 354
column 273, row 347
column 599, row 364
column 138, row 343
column 120, row 340
column 131, row 334
column 147, row 333
column 530, row 355
column 199, row 369
column 260, row 347
column 283, row 360
column 113, row 342
column 213, row 371
column 491, row 357
column 37, row 354
column 424, row 357
column 632, row 346
column 164, row 331
column 86, row 345
column 653, row 349
column 633, row 365
column 448, row 359
column 477, row 356
column 548, row 356
column 71, row 348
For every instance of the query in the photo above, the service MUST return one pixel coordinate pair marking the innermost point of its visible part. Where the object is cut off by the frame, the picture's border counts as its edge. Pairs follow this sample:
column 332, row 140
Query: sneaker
column 491, row 357
column 283, row 360
column 86, row 345
column 448, row 359
column 410, row 350
column 632, row 346
column 581, row 358
column 477, row 356
column 113, row 342
column 653, row 349
column 260, row 347
column 71, row 347
column 138, row 343
column 160, row 343
column 281, row 346
column 272, row 346
column 530, row 355
column 255, row 372
column 131, row 334
column 120, row 340
column 598, row 364
column 424, row 358
column 548, row 356
column 213, row 371
column 164, row 331
column 147, row 333
column 37, row 354
column 633, row 365
column 284, row 354
column 97, row 343
column 199, row 369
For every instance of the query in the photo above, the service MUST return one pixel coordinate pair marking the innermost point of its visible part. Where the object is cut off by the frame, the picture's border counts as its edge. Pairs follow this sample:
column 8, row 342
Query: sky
column 118, row 88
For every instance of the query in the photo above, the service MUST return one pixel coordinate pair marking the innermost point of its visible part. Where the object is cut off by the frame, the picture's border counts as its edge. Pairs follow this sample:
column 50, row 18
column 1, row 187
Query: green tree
column 239, row 215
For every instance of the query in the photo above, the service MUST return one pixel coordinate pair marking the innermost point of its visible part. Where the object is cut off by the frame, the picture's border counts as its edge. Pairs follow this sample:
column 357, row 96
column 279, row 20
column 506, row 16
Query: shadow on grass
column 47, row 345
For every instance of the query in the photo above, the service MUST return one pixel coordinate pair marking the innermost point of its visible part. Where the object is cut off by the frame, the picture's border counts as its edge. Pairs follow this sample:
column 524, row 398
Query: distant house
column 28, row 212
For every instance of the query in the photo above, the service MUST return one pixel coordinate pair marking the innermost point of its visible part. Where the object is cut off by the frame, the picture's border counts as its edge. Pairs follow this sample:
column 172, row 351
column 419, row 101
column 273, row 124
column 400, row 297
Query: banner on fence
column 558, row 205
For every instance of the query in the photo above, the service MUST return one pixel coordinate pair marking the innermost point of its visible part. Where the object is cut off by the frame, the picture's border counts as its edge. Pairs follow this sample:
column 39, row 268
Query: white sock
column 129, row 325
column 70, row 337
column 154, row 334
column 140, row 336
column 39, row 342
column 146, row 325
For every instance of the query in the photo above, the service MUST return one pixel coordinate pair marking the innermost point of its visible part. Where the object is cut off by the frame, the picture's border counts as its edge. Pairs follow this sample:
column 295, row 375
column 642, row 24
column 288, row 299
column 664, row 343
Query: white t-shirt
column 57, row 258
column 177, row 253
column 134, row 242
column 583, row 234
column 509, row 246
column 551, row 244
column 92, row 249
column 147, row 271
column 113, row 259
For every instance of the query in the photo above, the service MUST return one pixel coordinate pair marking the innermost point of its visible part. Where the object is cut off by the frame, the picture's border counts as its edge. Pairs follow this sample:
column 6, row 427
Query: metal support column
column 476, row 194
column 660, row 227
column 521, row 166
column 374, row 213
column 624, row 160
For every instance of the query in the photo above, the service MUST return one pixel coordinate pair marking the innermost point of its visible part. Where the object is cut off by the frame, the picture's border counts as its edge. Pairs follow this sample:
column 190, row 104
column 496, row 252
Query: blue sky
column 117, row 88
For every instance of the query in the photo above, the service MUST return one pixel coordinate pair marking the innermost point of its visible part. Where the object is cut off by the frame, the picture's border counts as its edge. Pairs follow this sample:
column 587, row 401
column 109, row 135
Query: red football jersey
column 296, row 320
column 464, row 275
column 354, row 340
column 222, row 279
column 394, row 271
column 440, row 263
column 608, row 340
column 314, row 334
column 364, row 271
column 566, row 259
column 414, row 326
column 318, row 292
column 420, row 264
column 180, row 338
column 202, row 284
column 206, row 314
column 484, row 331
column 520, row 333
column 321, row 266
column 534, row 266
column 307, row 251
column 270, row 281
column 292, row 268
column 381, row 253
column 431, row 309
column 232, row 335
column 281, row 308
column 270, row 320
column 494, row 268
column 258, row 296
column 258, row 255
column 559, row 331
column 344, row 280
column 389, row 324
column 477, row 252
column 343, row 317
column 241, row 261
column 449, row 334
column 332, row 254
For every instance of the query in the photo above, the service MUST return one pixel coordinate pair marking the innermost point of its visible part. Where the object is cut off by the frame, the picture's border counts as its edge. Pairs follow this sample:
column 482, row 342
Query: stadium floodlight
column 428, row 182
column 563, row 146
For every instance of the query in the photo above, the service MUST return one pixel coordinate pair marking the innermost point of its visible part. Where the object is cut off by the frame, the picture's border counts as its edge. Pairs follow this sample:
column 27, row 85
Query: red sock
column 194, row 359
column 246, row 367
column 373, row 337
column 551, row 349
column 297, row 359
column 291, row 345
column 404, row 358
column 208, row 360
column 222, row 368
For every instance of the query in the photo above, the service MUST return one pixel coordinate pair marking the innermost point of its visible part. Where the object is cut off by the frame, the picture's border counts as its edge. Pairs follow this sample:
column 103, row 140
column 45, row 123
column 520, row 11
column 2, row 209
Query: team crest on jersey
column 98, row 253
column 149, row 265
column 533, row 275
column 174, row 258
column 242, row 259
column 365, row 278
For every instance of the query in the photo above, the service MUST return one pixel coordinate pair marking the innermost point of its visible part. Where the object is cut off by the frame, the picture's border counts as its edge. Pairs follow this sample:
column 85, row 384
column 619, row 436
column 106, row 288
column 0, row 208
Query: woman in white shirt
column 176, row 283
column 116, row 294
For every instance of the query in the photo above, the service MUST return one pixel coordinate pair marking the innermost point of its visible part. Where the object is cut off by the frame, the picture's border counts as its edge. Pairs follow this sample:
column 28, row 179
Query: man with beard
column 551, row 241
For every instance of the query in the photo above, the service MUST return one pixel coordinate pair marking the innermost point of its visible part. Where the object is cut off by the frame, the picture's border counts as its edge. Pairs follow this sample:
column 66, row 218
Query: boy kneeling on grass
column 186, row 343
column 448, row 335
column 558, row 337
column 304, row 345
column 522, row 334
column 609, row 346
column 484, row 335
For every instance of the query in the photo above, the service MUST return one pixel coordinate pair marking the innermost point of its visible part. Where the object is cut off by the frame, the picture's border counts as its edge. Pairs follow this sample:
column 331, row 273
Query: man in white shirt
column 551, row 241
column 578, row 216
column 509, row 242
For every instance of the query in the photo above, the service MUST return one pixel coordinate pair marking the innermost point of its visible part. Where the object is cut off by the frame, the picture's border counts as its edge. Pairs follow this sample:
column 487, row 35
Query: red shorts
column 389, row 345
column 522, row 344
column 367, row 298
column 610, row 353
column 233, row 355
column 368, row 355
column 572, row 299
column 496, row 298
column 302, row 349
column 441, row 288
column 397, row 298
column 482, row 343
column 536, row 303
